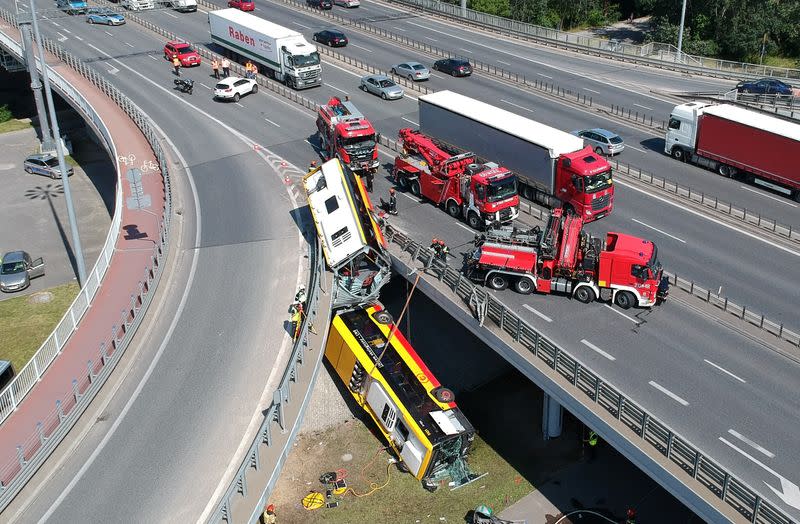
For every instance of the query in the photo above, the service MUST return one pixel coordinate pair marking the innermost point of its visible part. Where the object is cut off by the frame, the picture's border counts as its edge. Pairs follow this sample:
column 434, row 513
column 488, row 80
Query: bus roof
column 555, row 140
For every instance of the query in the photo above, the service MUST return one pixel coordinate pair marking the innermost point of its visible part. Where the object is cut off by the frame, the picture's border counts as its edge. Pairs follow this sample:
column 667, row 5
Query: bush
column 5, row 113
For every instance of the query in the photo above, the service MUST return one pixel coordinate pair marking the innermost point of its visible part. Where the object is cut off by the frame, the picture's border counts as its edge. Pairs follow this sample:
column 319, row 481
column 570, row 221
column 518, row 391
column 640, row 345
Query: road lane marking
column 789, row 492
column 668, row 393
column 202, row 84
column 61, row 38
column 129, row 45
column 151, row 56
column 537, row 313
column 399, row 28
column 364, row 48
column 66, row 30
column 777, row 199
column 597, row 349
column 271, row 122
column 431, row 39
column 343, row 70
column 740, row 379
column 56, row 24
column 238, row 104
column 410, row 121
column 336, row 88
column 620, row 313
column 660, row 231
column 591, row 90
column 79, row 38
column 516, row 105
column 504, row 63
column 544, row 75
column 752, row 444
column 644, row 107
column 710, row 219
column 108, row 33
column 301, row 25
column 465, row 50
column 170, row 14
column 636, row 148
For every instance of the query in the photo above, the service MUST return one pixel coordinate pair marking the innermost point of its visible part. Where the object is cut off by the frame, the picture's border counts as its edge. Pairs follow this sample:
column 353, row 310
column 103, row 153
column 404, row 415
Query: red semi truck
column 563, row 258
column 735, row 141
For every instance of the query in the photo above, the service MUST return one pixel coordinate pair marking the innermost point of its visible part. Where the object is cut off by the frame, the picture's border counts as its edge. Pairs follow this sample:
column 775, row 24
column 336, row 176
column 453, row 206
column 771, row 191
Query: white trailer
column 282, row 53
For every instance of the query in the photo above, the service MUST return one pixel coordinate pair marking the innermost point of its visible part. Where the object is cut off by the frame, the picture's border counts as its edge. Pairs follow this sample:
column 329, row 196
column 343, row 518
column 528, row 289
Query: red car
column 186, row 53
column 244, row 5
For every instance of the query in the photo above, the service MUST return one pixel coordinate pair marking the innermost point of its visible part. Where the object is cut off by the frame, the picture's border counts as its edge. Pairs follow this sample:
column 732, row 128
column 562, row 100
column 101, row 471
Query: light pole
column 680, row 31
column 73, row 223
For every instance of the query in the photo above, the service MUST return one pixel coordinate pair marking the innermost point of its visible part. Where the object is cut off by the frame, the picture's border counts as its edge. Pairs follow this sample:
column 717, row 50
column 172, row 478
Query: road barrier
column 678, row 450
column 49, row 432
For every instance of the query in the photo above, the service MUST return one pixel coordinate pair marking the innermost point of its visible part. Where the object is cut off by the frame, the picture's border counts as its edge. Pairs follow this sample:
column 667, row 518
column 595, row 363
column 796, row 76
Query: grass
column 24, row 324
column 403, row 499
column 13, row 125
column 779, row 61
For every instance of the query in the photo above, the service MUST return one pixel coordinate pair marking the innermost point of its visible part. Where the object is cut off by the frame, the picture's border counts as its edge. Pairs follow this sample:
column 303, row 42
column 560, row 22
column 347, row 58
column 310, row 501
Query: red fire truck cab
column 346, row 134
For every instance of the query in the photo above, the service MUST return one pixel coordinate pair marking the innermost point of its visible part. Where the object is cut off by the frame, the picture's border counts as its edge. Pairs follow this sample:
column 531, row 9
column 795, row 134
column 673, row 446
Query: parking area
column 34, row 211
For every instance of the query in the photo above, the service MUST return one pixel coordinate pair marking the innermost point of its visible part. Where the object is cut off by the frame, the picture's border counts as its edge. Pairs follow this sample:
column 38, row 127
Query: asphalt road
column 244, row 222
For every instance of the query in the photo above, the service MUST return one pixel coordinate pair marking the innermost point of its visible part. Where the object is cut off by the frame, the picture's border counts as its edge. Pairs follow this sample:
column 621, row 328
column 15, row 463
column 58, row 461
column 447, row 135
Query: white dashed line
column 363, row 48
column 597, row 349
column 516, row 105
column 399, row 28
column 151, row 56
column 431, row 39
column 301, row 25
column 170, row 14
column 336, row 88
column 79, row 38
column 635, row 148
column 591, row 90
column 537, row 313
column 66, row 31
column 129, row 45
column 504, row 63
column 238, row 104
column 202, row 84
column 751, row 443
column 56, row 24
column 725, row 371
column 465, row 50
column 544, row 75
column 658, row 230
column 271, row 122
column 644, row 107
column 777, row 199
column 669, row 393
column 106, row 32
column 620, row 313
column 410, row 121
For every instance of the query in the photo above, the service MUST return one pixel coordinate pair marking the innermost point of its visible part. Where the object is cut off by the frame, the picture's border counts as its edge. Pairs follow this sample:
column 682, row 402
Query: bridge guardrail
column 32, row 453
column 690, row 459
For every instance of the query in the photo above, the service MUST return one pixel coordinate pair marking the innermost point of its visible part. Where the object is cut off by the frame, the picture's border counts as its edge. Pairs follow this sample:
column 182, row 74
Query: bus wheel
column 523, row 286
column 625, row 299
column 585, row 294
column 498, row 282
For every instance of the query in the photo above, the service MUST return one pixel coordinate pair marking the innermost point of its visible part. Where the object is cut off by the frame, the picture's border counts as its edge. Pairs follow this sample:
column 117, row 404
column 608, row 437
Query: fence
column 678, row 450
column 35, row 449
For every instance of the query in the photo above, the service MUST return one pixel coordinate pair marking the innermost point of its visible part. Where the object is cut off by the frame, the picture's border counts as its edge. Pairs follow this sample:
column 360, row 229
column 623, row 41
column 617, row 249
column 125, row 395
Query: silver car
column 347, row 3
column 412, row 70
column 44, row 164
column 17, row 270
column 603, row 142
column 382, row 86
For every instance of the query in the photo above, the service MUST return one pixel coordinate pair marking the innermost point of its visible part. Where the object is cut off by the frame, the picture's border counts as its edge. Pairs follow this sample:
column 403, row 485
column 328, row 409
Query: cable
column 373, row 486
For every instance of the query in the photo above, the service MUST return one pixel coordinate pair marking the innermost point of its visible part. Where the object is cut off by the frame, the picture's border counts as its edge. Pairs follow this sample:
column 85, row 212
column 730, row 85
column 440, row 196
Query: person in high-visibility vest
column 176, row 63
column 297, row 321
column 215, row 68
column 592, row 440
column 269, row 515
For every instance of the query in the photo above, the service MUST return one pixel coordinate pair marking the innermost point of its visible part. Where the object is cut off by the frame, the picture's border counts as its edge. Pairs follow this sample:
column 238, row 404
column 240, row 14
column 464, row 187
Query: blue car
column 764, row 86
column 103, row 15
column 72, row 6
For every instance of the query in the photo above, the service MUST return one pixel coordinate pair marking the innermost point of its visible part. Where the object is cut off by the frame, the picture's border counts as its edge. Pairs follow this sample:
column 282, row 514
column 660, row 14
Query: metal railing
column 274, row 418
column 665, row 56
column 34, row 450
column 660, row 437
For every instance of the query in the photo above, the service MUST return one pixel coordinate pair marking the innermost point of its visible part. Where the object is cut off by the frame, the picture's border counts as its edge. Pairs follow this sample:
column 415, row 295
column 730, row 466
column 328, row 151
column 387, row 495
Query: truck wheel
column 797, row 196
column 725, row 171
column 453, row 209
column 523, row 286
column 498, row 282
column 625, row 299
column 402, row 181
column 679, row 154
column 474, row 221
column 585, row 294
column 415, row 189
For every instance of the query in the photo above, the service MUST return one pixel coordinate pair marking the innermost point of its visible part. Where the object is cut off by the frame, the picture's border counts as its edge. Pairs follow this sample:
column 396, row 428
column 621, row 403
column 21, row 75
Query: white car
column 233, row 88
column 347, row 3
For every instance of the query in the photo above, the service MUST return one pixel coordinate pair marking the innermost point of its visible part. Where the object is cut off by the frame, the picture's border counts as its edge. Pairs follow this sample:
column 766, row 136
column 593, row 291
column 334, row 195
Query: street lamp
column 680, row 32
column 73, row 223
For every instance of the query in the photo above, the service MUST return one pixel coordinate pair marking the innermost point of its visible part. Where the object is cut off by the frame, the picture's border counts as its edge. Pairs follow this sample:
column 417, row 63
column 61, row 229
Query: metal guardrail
column 274, row 417
column 49, row 432
column 660, row 55
column 678, row 450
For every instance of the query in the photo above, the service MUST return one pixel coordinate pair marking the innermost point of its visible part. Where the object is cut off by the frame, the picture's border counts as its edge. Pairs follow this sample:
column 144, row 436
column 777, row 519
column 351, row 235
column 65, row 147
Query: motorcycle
column 184, row 85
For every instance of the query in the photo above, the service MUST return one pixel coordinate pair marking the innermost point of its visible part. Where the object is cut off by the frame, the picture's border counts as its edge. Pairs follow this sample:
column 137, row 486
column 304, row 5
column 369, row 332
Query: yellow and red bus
column 417, row 416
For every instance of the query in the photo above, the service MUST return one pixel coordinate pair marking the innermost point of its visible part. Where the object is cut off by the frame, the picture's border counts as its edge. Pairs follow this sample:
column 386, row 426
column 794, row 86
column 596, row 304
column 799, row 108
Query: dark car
column 453, row 66
column 764, row 86
column 331, row 37
column 320, row 4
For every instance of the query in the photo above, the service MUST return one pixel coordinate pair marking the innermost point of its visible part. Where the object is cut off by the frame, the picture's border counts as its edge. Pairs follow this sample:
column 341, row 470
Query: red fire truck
column 480, row 193
column 347, row 135
column 563, row 258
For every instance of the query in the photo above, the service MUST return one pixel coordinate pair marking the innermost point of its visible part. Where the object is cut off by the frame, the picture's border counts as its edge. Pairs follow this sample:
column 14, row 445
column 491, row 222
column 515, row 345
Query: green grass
column 13, row 125
column 779, row 61
column 403, row 499
column 71, row 161
column 24, row 325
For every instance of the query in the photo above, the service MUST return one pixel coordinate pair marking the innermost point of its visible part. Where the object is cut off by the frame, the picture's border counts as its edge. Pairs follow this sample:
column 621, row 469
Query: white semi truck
column 282, row 53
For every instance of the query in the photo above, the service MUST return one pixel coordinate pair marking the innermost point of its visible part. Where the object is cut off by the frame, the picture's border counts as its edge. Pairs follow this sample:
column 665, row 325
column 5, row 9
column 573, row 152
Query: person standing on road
column 176, row 63
column 369, row 177
column 443, row 251
column 215, row 68
column 392, row 202
column 312, row 166
column 226, row 68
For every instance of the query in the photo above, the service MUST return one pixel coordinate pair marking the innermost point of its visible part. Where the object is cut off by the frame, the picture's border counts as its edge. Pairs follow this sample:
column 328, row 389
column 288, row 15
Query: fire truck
column 563, row 258
column 480, row 193
column 347, row 135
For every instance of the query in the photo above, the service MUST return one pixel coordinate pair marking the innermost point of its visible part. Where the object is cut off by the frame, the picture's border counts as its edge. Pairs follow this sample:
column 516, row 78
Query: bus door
column 412, row 451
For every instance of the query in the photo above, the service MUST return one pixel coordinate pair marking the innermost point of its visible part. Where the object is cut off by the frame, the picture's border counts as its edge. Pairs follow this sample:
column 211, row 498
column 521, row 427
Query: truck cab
column 493, row 194
column 682, row 130
column 300, row 64
column 345, row 133
column 629, row 266
column 584, row 184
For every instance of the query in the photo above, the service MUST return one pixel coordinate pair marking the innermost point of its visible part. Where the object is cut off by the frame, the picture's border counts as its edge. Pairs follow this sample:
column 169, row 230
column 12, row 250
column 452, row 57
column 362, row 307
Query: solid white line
column 336, row 88
column 591, row 90
column 410, row 121
column 725, row 371
column 644, row 107
column 668, row 393
column 301, row 25
column 636, row 148
column 537, row 313
column 516, row 105
column 620, row 313
column 777, row 199
column 364, row 48
column 751, row 443
column 544, row 75
column 597, row 349
column 746, row 454
column 399, row 28
column 504, row 63
column 271, row 122
column 718, row 222
column 462, row 226
column 660, row 231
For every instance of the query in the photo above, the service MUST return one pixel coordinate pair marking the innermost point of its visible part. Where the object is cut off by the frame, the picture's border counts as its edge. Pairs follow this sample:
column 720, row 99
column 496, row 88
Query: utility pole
column 464, row 8
column 680, row 32
column 36, row 86
column 62, row 165
column 763, row 48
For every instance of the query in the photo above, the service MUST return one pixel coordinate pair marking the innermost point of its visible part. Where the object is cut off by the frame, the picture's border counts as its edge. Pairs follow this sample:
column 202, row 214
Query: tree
column 493, row 7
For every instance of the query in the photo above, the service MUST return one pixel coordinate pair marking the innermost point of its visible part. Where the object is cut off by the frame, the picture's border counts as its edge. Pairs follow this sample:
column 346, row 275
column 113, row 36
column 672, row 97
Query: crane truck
column 346, row 134
column 553, row 167
column 733, row 141
column 480, row 193
column 563, row 258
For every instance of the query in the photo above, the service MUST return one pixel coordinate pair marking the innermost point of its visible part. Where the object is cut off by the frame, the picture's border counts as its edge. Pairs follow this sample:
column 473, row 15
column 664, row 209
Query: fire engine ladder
column 511, row 235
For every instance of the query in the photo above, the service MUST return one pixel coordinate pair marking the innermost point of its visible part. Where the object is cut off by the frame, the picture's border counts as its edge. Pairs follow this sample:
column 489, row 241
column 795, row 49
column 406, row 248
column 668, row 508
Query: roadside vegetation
column 8, row 123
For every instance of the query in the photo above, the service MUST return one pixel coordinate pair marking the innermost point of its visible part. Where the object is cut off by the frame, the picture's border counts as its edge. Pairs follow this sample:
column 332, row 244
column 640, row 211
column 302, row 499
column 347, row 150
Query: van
column 184, row 6
column 6, row 373
column 137, row 5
